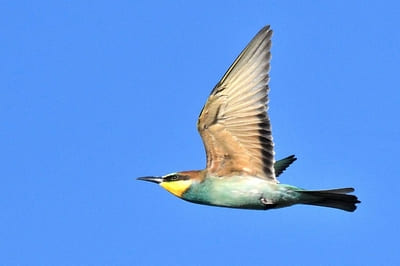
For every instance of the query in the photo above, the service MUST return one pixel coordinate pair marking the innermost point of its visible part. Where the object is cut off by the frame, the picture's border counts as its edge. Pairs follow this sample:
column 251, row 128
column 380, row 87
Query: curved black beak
column 154, row 179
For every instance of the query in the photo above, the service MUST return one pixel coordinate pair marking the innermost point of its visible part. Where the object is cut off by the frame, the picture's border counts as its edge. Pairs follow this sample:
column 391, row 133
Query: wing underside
column 234, row 123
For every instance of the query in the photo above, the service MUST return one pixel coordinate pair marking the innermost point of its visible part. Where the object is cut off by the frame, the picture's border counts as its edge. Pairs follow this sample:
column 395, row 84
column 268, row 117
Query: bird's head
column 176, row 183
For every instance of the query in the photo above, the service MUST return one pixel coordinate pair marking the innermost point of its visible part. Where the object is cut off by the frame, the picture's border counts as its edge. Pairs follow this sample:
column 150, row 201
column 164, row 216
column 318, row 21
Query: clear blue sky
column 94, row 94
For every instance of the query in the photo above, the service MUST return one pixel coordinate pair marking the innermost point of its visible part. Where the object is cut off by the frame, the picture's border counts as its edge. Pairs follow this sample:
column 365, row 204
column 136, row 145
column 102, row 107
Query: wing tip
column 281, row 165
column 267, row 30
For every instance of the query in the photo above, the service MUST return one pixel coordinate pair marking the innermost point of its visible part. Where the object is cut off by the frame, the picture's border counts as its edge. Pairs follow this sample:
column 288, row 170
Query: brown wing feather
column 234, row 124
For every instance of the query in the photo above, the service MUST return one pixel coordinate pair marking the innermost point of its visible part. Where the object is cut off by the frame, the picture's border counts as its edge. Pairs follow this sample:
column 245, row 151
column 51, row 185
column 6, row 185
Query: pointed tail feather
column 333, row 198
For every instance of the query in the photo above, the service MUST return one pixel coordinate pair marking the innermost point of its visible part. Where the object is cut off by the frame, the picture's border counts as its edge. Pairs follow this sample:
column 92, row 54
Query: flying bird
column 241, row 170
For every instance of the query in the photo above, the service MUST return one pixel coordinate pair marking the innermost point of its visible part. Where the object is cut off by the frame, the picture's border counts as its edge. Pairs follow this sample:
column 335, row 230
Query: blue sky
column 94, row 94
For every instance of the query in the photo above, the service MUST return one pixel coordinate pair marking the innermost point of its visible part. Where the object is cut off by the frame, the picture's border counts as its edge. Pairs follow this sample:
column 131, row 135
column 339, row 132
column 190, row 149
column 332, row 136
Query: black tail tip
column 333, row 198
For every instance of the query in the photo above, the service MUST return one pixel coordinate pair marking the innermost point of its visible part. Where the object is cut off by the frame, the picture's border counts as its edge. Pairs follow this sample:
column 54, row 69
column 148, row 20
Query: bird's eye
column 172, row 178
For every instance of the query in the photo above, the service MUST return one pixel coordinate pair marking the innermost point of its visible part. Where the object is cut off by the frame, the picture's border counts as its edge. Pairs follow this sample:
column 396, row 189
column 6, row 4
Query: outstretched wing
column 234, row 123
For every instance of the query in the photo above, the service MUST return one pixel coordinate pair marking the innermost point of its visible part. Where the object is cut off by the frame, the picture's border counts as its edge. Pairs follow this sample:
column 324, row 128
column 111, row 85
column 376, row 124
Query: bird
column 241, row 171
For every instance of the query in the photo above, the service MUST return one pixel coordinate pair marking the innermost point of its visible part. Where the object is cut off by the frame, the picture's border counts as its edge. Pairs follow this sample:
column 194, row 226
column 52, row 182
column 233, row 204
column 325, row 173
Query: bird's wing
column 234, row 123
column 281, row 165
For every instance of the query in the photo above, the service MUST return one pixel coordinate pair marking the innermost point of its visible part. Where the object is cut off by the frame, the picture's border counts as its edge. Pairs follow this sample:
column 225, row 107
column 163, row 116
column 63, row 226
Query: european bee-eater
column 241, row 170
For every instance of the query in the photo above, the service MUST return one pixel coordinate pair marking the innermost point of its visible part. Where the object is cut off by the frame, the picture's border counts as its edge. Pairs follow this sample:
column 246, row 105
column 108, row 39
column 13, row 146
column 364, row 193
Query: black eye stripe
column 171, row 178
column 175, row 177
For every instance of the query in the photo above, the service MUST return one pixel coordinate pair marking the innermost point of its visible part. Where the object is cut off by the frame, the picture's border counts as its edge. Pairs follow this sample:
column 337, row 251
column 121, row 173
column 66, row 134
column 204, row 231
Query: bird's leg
column 269, row 204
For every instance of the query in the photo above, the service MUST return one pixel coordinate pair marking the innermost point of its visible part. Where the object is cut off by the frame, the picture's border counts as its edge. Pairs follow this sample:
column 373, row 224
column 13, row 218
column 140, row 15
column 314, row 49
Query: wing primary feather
column 283, row 164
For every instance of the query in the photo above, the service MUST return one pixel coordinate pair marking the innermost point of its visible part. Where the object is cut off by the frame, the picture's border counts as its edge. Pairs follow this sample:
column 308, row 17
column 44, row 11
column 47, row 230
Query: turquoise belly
column 241, row 192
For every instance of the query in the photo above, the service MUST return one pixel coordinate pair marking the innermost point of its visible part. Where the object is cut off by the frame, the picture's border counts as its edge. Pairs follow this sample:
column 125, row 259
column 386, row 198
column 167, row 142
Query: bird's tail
column 333, row 198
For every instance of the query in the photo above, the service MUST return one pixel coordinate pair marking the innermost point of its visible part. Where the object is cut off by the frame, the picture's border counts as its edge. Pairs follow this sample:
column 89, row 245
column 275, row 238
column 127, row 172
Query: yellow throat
column 177, row 187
